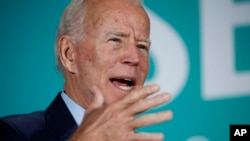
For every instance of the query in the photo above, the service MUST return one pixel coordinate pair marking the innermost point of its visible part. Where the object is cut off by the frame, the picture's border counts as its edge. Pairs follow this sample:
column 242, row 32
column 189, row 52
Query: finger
column 146, row 104
column 152, row 119
column 142, row 93
column 148, row 136
column 98, row 100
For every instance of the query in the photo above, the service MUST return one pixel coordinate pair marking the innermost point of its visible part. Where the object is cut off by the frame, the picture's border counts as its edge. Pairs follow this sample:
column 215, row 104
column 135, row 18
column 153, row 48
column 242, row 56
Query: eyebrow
column 118, row 33
column 122, row 34
column 148, row 41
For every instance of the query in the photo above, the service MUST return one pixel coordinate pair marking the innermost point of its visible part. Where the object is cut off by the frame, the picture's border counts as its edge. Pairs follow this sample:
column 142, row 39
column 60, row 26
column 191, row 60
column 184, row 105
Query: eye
column 115, row 40
column 143, row 47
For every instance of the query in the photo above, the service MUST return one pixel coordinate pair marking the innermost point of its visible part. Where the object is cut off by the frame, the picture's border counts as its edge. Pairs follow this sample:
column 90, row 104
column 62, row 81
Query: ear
column 66, row 50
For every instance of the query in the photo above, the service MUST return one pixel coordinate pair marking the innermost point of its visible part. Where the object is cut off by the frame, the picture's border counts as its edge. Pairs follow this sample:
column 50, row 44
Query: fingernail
column 166, row 97
column 169, row 114
column 160, row 136
column 155, row 87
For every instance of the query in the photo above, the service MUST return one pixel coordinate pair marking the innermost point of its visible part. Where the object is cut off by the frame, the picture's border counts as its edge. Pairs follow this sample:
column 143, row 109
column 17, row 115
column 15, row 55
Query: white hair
column 71, row 24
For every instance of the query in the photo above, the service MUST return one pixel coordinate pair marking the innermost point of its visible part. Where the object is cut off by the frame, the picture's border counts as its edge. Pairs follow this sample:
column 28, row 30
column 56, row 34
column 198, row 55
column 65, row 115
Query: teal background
column 242, row 46
column 29, row 80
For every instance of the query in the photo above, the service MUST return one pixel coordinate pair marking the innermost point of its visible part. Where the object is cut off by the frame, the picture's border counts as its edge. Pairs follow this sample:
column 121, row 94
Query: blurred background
column 200, row 54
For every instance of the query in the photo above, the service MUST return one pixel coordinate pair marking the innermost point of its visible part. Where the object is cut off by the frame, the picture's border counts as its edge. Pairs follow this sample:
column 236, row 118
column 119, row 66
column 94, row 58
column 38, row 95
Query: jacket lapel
column 59, row 121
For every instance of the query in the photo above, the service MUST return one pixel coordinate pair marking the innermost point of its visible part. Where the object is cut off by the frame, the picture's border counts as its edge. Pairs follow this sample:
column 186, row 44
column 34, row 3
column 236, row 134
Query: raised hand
column 117, row 122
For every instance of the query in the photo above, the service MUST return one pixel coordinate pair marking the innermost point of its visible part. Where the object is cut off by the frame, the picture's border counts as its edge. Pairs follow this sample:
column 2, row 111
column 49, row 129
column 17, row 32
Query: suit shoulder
column 22, row 125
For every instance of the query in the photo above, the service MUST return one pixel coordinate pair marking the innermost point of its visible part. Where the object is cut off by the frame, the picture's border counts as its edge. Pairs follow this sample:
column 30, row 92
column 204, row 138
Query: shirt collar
column 76, row 110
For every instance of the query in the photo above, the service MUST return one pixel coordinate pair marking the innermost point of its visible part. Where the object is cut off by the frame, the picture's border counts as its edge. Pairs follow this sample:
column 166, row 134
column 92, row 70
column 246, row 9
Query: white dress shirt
column 76, row 110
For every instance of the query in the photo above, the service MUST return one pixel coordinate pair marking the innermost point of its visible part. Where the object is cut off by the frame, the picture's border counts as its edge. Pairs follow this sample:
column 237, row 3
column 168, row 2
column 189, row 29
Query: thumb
column 98, row 99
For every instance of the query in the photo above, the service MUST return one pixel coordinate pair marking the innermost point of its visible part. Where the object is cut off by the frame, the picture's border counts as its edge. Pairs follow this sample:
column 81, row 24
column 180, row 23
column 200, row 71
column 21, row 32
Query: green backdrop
column 29, row 80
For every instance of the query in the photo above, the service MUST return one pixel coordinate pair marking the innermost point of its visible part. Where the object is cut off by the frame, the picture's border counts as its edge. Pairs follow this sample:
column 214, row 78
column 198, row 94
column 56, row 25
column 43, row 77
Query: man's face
column 114, row 53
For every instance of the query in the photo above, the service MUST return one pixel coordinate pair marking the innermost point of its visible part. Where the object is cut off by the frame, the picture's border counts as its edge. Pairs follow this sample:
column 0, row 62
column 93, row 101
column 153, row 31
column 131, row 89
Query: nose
column 131, row 56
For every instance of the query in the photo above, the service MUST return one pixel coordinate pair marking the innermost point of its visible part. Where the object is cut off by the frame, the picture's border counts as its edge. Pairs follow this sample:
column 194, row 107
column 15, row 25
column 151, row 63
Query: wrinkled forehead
column 97, row 9
column 109, row 4
column 127, row 11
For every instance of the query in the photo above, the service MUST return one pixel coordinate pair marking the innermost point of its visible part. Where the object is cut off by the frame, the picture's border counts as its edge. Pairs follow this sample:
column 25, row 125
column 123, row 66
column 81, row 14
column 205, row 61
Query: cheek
column 107, row 58
column 84, row 59
column 145, row 64
column 94, row 62
column 144, row 68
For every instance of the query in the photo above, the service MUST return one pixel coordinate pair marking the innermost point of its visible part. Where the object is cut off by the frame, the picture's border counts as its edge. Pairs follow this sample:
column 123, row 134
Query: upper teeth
column 127, row 79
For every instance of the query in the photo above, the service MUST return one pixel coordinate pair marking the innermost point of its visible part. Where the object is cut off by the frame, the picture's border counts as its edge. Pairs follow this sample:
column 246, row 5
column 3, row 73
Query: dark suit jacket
column 54, row 124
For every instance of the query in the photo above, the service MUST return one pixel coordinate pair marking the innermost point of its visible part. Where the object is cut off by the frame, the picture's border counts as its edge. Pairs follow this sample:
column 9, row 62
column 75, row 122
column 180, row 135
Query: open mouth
column 125, row 84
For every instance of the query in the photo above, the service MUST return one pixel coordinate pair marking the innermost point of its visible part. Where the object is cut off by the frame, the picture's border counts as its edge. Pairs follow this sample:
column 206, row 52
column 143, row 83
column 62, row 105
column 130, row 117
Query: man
column 102, row 50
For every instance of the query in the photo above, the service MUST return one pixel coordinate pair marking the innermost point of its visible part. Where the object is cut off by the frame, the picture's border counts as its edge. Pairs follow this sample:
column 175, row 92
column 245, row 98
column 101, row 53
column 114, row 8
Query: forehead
column 127, row 13
column 111, row 4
